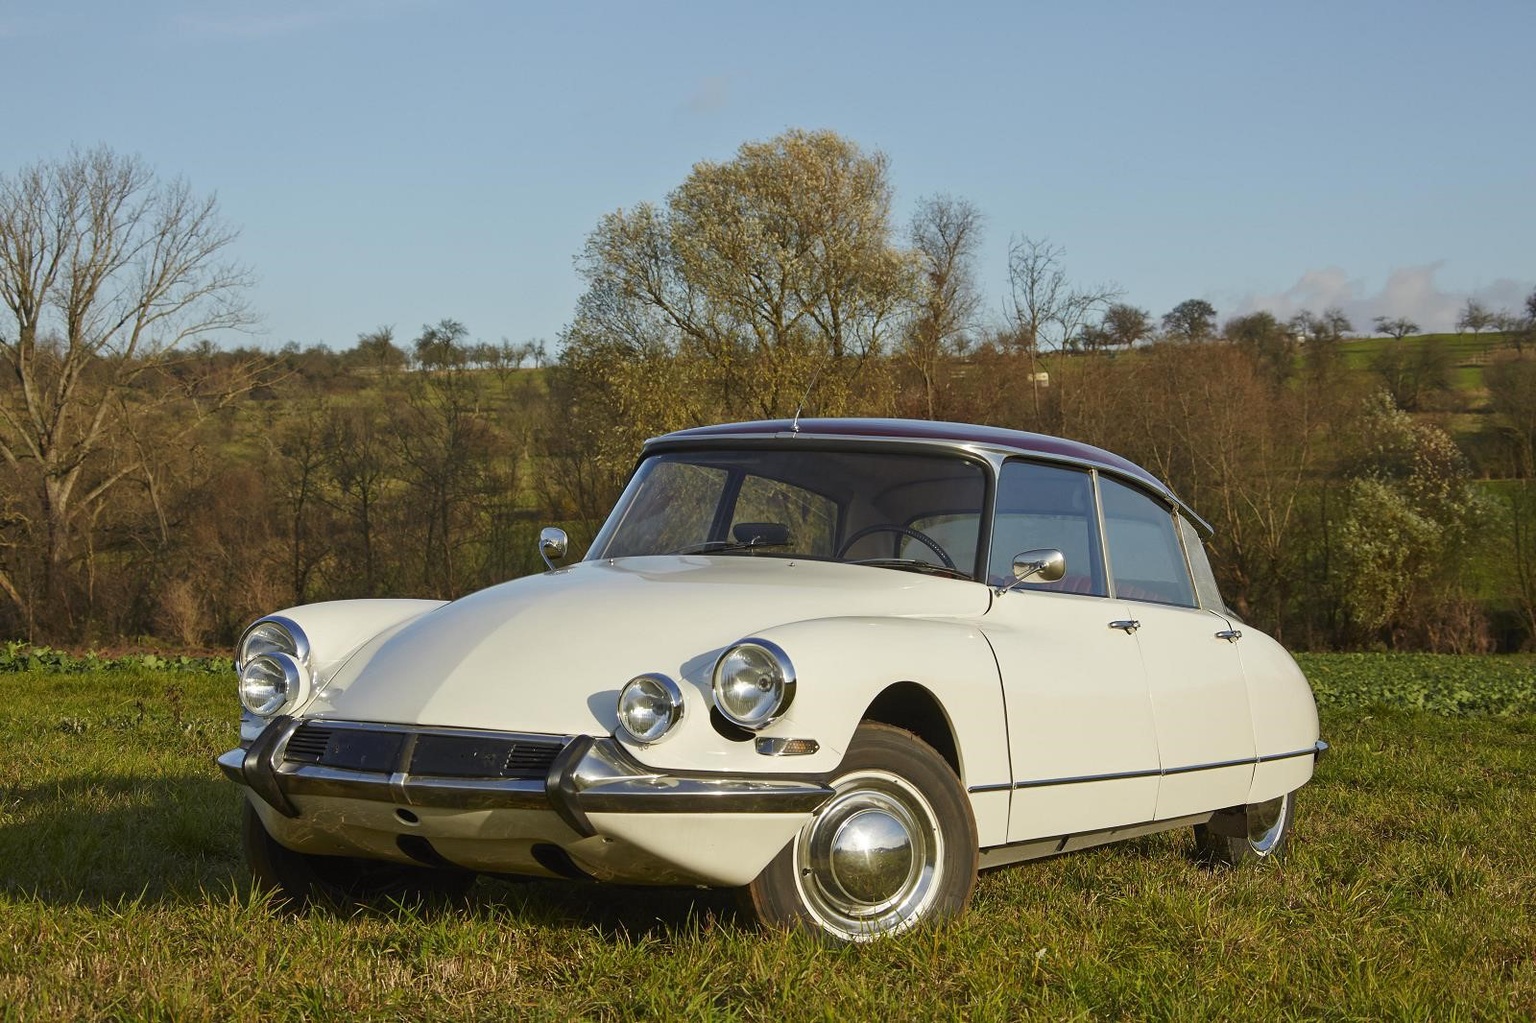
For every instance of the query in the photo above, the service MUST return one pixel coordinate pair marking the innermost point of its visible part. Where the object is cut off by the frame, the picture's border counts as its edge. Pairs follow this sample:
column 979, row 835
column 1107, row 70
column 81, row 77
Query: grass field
column 1410, row 893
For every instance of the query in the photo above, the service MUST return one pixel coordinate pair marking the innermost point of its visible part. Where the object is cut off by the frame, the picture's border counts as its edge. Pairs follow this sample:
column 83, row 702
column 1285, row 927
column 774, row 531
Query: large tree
column 1193, row 319
column 104, row 270
column 762, row 283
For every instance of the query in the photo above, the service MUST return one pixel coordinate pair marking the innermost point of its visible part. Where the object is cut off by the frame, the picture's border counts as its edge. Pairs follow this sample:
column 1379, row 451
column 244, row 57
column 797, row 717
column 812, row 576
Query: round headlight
column 273, row 635
column 754, row 683
column 271, row 682
column 649, row 705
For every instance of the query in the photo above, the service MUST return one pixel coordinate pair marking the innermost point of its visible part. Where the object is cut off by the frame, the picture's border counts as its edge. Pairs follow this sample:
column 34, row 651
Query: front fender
column 843, row 664
column 337, row 629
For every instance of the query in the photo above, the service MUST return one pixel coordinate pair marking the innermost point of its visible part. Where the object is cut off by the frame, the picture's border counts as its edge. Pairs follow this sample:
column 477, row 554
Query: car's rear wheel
column 307, row 879
column 895, row 847
column 1263, row 834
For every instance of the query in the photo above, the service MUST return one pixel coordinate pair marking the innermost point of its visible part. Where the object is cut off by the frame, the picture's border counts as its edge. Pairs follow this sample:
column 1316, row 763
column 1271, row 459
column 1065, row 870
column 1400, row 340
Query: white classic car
column 838, row 664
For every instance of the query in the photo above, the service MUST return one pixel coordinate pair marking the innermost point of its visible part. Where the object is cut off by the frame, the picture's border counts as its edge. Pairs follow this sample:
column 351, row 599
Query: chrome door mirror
column 1044, row 565
column 552, row 545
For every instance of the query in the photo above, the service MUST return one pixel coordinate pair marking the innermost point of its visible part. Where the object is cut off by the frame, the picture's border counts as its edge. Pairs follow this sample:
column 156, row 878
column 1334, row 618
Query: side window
column 1144, row 550
column 809, row 519
column 1047, row 506
column 1205, row 579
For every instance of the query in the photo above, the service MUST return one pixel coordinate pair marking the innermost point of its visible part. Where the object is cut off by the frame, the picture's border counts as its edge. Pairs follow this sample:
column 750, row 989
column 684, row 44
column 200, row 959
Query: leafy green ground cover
column 1410, row 894
column 1434, row 682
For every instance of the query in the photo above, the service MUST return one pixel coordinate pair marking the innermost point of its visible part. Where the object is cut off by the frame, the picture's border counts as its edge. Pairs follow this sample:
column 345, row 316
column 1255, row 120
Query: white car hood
column 549, row 653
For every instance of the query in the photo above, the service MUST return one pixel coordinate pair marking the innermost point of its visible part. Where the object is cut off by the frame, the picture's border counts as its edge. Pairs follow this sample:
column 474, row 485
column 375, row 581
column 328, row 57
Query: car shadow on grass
column 103, row 840
column 99, row 839
column 615, row 911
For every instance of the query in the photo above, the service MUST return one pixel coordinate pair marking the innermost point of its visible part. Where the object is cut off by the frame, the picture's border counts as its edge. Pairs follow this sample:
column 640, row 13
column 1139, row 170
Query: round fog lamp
column 754, row 683
column 649, row 705
column 270, row 682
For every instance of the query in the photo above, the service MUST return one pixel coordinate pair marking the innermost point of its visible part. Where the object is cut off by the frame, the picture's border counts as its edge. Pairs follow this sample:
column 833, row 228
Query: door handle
column 1230, row 635
column 1129, row 625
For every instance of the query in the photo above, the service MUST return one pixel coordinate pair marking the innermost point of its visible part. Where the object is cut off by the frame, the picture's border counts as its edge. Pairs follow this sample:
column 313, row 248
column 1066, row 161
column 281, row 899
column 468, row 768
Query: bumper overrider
column 590, row 783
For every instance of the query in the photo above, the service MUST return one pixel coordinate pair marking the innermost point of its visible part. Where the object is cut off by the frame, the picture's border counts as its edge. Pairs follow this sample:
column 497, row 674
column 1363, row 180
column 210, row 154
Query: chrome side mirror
column 552, row 545
column 1045, row 565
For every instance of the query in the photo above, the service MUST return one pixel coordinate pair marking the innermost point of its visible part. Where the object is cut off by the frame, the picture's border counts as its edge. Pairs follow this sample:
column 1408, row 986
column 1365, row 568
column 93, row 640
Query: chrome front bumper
column 587, row 775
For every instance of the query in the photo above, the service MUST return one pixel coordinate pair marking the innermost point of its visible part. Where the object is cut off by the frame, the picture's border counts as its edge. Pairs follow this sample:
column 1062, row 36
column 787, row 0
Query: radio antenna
column 794, row 425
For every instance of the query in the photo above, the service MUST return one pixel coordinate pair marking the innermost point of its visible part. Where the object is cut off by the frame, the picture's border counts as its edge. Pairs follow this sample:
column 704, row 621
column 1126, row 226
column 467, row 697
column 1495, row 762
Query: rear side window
column 1145, row 556
column 1205, row 579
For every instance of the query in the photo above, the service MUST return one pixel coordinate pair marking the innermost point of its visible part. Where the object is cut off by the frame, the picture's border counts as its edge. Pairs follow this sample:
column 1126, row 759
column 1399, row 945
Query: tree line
column 158, row 486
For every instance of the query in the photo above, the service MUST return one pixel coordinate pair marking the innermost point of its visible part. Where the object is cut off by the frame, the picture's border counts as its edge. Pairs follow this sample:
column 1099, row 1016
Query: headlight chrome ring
column 272, row 635
column 273, row 682
column 650, row 706
column 754, row 683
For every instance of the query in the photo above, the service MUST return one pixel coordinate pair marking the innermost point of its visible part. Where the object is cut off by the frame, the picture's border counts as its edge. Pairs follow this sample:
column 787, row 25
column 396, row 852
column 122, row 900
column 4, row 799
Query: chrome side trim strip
column 1118, row 776
column 1316, row 750
column 1245, row 762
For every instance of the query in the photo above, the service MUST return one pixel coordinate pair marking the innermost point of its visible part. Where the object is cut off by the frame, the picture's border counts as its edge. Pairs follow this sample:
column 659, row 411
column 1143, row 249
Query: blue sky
column 395, row 162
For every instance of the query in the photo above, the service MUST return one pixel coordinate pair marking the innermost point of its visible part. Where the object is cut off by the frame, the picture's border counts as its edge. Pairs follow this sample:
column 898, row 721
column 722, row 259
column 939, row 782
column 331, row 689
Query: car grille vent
column 455, row 756
column 307, row 745
column 434, row 754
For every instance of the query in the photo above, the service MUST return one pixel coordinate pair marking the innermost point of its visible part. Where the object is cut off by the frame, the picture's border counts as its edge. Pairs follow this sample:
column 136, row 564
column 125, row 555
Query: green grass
column 1463, row 349
column 1410, row 893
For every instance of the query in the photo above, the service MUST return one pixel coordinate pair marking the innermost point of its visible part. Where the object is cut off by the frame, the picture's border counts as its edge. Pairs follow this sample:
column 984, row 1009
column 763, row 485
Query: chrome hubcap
column 868, row 863
column 870, row 856
column 1266, row 823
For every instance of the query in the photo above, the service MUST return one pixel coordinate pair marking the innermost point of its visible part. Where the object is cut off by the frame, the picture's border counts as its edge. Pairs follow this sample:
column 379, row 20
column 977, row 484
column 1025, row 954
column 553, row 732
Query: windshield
column 915, row 511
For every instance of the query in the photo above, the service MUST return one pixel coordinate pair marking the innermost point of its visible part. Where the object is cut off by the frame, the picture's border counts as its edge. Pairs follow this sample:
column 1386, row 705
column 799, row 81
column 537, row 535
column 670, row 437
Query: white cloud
column 1409, row 291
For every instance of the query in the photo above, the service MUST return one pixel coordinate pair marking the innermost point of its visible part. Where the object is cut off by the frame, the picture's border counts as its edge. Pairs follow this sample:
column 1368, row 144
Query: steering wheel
column 891, row 527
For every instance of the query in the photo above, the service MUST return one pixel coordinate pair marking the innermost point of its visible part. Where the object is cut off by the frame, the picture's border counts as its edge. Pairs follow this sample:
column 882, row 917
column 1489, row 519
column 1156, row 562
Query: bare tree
column 1046, row 311
column 376, row 350
column 1122, row 326
column 1396, row 329
column 103, row 269
column 1475, row 317
column 945, row 234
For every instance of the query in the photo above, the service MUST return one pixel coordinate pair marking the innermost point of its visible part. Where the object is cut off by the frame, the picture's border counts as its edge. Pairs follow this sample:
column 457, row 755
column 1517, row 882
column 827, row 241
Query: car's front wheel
column 895, row 847
column 1261, row 832
column 305, row 879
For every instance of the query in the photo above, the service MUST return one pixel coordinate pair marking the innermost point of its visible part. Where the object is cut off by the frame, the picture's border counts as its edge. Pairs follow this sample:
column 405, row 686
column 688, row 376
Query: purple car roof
column 1013, row 441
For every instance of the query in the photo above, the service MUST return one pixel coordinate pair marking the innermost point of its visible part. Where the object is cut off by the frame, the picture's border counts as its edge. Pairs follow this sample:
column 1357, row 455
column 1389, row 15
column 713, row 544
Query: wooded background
column 158, row 488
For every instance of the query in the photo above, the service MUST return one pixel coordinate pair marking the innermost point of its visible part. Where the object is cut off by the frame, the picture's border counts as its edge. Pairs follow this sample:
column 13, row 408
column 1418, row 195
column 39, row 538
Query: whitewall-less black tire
column 1267, row 838
column 894, row 848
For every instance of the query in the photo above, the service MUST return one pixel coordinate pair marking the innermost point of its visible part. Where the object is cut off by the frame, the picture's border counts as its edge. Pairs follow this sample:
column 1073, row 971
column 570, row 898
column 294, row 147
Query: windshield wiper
column 914, row 565
column 730, row 546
